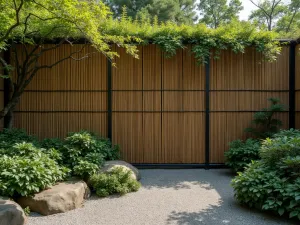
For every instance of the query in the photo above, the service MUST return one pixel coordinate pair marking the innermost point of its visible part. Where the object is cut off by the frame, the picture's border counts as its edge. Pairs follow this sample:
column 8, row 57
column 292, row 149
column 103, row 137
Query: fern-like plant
column 265, row 125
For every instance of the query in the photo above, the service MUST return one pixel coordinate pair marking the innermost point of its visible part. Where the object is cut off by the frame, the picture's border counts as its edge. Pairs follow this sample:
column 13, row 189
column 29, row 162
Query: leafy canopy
column 178, row 11
column 32, row 21
column 215, row 13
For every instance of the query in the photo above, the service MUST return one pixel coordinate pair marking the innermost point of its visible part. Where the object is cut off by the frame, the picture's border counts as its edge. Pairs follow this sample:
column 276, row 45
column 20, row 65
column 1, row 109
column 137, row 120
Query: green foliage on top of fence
column 170, row 37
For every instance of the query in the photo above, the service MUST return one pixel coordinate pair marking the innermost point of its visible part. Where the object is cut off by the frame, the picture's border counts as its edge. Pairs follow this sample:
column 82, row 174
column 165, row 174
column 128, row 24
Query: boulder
column 109, row 165
column 11, row 213
column 60, row 198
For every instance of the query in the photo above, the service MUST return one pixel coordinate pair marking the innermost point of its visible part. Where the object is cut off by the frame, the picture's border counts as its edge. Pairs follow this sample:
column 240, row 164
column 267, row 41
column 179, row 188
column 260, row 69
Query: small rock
column 11, row 213
column 109, row 165
column 60, row 198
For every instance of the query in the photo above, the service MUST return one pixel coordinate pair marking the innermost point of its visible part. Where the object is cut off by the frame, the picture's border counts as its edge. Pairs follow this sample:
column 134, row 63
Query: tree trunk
column 8, row 120
column 7, row 111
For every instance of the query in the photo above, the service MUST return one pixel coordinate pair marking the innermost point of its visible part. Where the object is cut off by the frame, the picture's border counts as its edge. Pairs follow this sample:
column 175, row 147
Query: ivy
column 170, row 37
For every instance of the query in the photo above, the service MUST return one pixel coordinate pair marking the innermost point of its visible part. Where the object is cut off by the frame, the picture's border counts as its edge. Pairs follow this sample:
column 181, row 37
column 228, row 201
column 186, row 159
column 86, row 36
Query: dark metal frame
column 109, row 99
column 292, row 81
column 6, row 88
column 207, row 116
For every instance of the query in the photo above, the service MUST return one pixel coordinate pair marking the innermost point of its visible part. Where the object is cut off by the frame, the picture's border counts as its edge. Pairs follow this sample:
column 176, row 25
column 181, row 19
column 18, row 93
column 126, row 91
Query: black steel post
column 6, row 87
column 109, row 99
column 292, row 79
column 207, row 123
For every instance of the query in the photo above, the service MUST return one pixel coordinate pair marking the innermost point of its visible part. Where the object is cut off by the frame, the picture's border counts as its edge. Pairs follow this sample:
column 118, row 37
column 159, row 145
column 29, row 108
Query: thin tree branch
column 258, row 6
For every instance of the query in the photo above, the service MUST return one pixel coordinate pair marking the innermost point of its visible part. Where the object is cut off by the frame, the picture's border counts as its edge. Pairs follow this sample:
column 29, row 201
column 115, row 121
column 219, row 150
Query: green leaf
column 281, row 211
column 293, row 214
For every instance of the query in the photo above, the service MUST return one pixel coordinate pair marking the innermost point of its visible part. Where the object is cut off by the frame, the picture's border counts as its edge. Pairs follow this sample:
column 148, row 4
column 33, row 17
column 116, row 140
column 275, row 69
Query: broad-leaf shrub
column 117, row 181
column 85, row 169
column 9, row 137
column 275, row 150
column 273, row 183
column 27, row 170
column 82, row 149
column 241, row 153
column 287, row 133
column 49, row 143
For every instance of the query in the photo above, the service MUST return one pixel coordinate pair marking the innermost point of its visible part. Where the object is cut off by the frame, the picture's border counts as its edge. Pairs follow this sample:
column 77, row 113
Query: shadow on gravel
column 214, row 216
column 207, row 179
column 228, row 211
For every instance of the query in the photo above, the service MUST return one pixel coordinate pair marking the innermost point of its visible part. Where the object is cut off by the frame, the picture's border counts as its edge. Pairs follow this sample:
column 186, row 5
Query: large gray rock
column 109, row 165
column 60, row 198
column 11, row 213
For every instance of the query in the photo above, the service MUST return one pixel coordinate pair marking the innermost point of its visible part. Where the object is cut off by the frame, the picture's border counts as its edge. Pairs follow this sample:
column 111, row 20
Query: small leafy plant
column 26, row 211
column 241, row 153
column 265, row 125
column 117, row 181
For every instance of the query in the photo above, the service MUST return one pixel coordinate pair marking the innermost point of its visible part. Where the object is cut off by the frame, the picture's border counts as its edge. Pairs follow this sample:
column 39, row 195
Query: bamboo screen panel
column 158, row 107
column 297, row 86
column 158, row 103
column 67, row 98
column 241, row 84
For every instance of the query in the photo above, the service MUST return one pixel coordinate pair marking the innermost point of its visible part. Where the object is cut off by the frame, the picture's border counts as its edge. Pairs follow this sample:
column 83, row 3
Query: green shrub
column 85, row 169
column 241, row 153
column 273, row 183
column 264, row 188
column 287, row 133
column 49, row 143
column 22, row 149
column 117, row 181
column 9, row 137
column 81, row 146
column 264, row 123
column 253, row 186
column 83, row 152
column 274, row 150
column 28, row 172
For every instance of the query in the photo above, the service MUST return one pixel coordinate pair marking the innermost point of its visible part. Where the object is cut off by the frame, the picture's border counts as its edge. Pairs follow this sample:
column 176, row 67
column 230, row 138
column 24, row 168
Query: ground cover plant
column 273, row 183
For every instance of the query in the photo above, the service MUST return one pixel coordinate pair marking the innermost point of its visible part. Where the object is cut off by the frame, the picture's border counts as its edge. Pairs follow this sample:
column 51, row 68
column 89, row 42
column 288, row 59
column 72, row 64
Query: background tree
column 290, row 21
column 179, row 11
column 132, row 6
column 27, row 25
column 217, row 12
column 268, row 12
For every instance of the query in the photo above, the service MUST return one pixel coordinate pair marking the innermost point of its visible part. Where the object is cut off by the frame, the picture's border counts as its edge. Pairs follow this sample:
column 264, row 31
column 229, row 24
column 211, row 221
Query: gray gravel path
column 167, row 197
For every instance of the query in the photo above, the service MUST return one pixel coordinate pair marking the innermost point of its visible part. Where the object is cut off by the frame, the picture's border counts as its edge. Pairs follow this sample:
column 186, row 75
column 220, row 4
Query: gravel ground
column 167, row 197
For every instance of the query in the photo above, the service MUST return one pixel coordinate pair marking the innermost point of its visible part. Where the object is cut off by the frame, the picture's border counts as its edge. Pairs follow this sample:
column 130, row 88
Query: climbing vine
column 236, row 36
